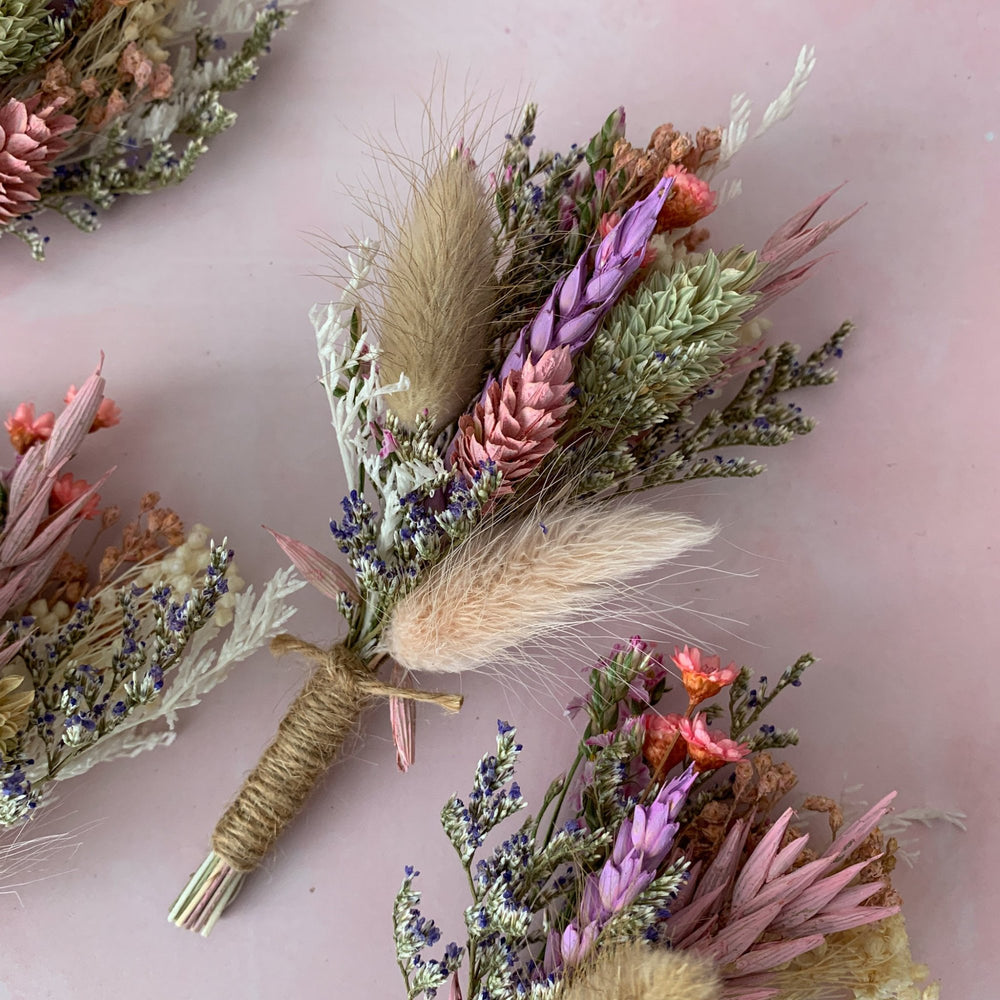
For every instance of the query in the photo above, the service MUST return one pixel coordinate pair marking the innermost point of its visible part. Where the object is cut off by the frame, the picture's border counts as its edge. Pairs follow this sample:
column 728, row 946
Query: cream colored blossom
column 14, row 705
column 872, row 961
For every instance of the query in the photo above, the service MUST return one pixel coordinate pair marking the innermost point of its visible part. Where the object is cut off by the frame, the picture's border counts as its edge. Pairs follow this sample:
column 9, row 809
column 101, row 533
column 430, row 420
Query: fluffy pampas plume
column 509, row 585
column 637, row 972
column 439, row 294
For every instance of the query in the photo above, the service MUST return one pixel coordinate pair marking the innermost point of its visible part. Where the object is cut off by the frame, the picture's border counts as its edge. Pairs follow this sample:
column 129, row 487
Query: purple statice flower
column 641, row 846
column 581, row 299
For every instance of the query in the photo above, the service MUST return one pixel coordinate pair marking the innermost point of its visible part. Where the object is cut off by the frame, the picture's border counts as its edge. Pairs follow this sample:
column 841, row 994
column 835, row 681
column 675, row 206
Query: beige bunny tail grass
column 518, row 581
column 639, row 972
column 439, row 294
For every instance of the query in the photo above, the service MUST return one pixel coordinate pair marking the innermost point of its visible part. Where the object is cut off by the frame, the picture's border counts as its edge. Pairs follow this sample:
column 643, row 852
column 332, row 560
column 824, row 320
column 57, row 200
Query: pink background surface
column 872, row 542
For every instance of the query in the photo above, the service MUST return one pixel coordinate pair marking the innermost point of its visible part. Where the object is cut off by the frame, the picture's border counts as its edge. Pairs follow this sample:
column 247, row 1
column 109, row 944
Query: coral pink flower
column 108, row 413
column 25, row 430
column 709, row 749
column 29, row 142
column 691, row 199
column 662, row 746
column 66, row 489
column 703, row 676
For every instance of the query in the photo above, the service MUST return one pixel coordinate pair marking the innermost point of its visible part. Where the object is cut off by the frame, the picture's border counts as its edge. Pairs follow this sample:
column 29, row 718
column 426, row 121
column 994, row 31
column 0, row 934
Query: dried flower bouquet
column 100, row 98
column 659, row 867
column 524, row 348
column 97, row 656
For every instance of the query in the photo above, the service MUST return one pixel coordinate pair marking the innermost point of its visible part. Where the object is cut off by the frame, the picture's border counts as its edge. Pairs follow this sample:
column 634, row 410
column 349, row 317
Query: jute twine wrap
column 309, row 736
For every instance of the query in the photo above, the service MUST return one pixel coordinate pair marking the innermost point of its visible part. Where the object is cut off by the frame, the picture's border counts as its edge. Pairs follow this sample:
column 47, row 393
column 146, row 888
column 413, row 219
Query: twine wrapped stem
column 309, row 737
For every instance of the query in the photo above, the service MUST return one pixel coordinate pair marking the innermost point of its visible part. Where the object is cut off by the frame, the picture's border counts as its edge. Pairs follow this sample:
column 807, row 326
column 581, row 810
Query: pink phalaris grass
column 25, row 429
column 323, row 573
column 32, row 538
column 581, row 299
column 515, row 424
column 754, row 915
column 691, row 199
column 29, row 142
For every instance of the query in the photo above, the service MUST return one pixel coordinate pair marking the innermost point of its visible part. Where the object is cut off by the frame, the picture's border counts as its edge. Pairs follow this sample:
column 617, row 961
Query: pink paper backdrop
column 872, row 542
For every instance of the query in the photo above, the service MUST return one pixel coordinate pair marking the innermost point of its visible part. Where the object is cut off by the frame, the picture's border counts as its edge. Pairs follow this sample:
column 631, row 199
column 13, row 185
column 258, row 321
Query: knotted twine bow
column 309, row 737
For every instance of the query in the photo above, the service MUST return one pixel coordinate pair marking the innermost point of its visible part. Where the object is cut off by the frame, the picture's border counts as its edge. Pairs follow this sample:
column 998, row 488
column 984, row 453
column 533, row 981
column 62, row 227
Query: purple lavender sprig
column 642, row 844
column 581, row 299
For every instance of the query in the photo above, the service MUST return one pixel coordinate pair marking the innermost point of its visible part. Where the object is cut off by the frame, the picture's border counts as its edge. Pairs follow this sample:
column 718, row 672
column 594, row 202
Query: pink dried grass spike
column 403, row 717
column 323, row 573
column 792, row 241
column 794, row 908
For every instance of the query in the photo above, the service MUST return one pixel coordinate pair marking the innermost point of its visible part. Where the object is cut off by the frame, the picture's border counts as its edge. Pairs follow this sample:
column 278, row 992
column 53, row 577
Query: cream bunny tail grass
column 638, row 972
column 439, row 295
column 510, row 585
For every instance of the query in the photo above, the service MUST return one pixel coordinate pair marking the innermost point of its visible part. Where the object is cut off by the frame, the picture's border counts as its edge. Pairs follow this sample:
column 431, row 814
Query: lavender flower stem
column 580, row 299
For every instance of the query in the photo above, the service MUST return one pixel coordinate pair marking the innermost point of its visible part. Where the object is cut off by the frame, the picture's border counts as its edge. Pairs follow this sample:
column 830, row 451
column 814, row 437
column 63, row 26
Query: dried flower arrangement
column 646, row 875
column 522, row 350
column 96, row 663
column 100, row 98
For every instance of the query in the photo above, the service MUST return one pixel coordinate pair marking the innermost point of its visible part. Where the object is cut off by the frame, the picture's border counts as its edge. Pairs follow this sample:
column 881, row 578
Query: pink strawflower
column 108, row 413
column 703, row 676
column 662, row 746
column 515, row 424
column 66, row 489
column 25, row 430
column 29, row 142
column 709, row 749
column 691, row 199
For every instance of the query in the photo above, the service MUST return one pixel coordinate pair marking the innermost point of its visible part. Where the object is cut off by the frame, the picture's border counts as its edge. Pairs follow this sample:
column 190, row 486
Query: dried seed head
column 439, row 295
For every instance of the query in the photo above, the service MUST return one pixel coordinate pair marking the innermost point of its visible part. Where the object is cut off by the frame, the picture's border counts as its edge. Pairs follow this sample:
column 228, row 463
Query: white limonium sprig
column 344, row 351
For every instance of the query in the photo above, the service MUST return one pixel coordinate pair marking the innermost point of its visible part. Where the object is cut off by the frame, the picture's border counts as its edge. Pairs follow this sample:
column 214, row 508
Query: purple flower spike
column 581, row 299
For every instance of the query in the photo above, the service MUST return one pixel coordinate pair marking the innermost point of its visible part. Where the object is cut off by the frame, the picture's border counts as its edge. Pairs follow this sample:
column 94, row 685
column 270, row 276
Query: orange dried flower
column 703, row 676
column 662, row 746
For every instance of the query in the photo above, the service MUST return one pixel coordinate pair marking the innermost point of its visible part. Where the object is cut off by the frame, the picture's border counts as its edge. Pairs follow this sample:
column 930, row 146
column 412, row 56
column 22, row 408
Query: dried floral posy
column 529, row 343
column 97, row 655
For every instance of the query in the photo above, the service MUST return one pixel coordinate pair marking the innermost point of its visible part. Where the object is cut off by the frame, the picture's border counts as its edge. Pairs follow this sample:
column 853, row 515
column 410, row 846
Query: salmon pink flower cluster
column 25, row 429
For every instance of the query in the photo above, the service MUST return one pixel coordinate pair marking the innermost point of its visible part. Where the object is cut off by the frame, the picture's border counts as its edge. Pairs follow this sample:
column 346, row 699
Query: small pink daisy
column 66, row 489
column 25, row 430
column 703, row 676
column 709, row 749
column 108, row 413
